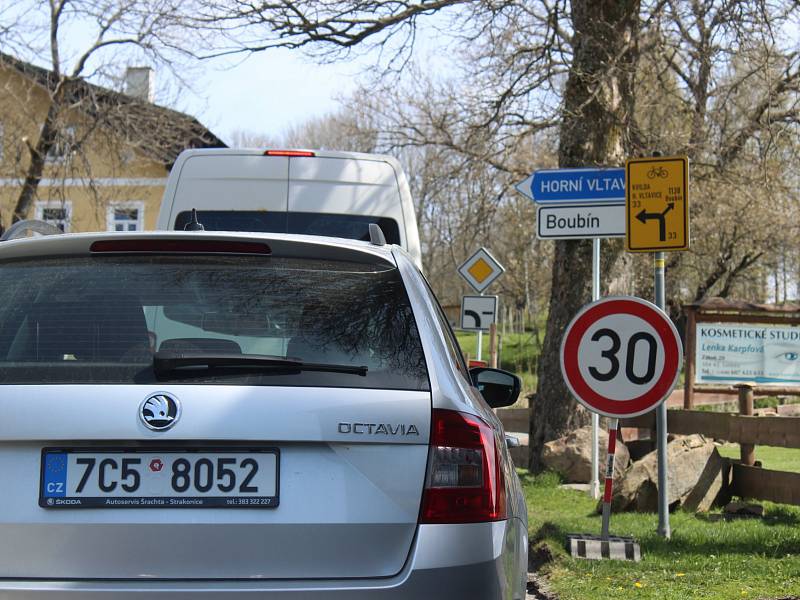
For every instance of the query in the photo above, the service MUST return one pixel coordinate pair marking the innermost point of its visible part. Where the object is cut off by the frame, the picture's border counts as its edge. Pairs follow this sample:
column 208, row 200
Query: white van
column 293, row 191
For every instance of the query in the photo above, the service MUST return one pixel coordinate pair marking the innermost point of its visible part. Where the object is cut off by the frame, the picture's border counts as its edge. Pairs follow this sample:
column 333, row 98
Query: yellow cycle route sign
column 657, row 204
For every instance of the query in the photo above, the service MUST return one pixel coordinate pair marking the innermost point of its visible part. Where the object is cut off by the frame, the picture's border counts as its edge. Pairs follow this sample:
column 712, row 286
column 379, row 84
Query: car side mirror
column 498, row 388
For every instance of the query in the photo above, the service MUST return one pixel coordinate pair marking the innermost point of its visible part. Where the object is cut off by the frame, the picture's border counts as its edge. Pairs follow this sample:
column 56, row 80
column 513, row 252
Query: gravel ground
column 537, row 589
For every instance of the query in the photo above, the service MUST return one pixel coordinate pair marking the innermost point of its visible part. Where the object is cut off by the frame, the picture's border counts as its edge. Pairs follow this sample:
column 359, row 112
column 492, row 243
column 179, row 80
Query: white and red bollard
column 605, row 546
column 609, row 486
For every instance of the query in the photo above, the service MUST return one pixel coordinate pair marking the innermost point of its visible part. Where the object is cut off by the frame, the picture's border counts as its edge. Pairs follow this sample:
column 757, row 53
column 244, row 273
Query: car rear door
column 348, row 499
column 344, row 453
column 243, row 182
column 346, row 186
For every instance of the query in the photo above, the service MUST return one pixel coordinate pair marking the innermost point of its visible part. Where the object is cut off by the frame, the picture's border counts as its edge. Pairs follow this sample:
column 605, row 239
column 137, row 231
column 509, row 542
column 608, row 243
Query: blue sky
column 267, row 92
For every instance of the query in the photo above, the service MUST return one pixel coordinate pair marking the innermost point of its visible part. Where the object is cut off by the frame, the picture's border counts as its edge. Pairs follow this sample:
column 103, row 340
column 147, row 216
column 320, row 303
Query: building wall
column 87, row 185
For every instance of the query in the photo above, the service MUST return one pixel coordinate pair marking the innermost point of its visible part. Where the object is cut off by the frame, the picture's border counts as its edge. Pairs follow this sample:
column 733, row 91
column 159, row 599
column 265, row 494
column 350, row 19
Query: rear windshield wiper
column 166, row 362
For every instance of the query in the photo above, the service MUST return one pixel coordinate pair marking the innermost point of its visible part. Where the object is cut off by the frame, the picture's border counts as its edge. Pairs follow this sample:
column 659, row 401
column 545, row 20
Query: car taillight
column 289, row 153
column 465, row 481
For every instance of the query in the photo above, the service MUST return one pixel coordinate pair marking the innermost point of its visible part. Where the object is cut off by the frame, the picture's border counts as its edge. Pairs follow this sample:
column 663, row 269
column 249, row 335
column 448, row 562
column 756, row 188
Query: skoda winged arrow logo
column 160, row 411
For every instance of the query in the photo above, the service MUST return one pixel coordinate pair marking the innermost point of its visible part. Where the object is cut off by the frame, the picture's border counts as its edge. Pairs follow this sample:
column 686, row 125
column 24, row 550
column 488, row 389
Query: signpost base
column 594, row 547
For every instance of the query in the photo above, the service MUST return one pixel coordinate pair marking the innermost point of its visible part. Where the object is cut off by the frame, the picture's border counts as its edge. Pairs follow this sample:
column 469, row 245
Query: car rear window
column 353, row 227
column 99, row 319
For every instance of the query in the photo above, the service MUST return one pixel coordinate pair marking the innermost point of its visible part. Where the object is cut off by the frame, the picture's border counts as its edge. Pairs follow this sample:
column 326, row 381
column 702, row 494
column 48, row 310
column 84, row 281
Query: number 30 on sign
column 621, row 356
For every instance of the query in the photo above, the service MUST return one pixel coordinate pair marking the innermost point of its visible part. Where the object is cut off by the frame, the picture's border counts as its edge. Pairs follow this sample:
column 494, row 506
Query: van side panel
column 412, row 245
column 235, row 182
column 345, row 186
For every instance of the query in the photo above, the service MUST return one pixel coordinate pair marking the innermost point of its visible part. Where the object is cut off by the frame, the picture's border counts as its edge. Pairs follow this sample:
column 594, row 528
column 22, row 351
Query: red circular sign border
column 651, row 398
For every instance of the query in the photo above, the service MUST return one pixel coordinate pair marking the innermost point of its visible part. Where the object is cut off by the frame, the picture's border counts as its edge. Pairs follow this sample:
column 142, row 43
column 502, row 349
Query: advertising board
column 738, row 352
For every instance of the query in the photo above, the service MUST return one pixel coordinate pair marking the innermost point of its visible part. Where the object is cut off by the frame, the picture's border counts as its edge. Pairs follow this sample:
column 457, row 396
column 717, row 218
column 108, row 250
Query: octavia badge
column 160, row 411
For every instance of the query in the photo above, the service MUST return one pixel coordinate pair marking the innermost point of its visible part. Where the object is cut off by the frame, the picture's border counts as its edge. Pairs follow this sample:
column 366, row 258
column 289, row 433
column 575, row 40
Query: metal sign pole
column 480, row 270
column 480, row 341
column 595, row 480
column 661, row 420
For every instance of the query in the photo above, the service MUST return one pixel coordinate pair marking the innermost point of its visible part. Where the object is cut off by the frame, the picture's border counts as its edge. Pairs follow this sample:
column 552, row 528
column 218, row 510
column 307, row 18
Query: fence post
column 499, row 346
column 748, row 451
column 689, row 358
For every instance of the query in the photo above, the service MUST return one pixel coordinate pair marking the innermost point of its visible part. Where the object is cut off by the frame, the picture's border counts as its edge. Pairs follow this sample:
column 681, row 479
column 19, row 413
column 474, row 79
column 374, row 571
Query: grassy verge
column 705, row 559
column 518, row 354
column 777, row 459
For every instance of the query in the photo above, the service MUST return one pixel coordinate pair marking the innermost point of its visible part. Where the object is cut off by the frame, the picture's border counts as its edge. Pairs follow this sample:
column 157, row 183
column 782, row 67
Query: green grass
column 518, row 354
column 773, row 401
column 705, row 559
column 777, row 459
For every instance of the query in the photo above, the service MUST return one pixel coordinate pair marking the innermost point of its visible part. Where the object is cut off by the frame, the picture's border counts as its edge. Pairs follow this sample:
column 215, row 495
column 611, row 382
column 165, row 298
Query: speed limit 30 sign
column 621, row 356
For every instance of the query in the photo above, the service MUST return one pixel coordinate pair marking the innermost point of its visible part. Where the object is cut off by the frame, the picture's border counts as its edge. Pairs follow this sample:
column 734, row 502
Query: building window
column 126, row 216
column 55, row 213
column 63, row 145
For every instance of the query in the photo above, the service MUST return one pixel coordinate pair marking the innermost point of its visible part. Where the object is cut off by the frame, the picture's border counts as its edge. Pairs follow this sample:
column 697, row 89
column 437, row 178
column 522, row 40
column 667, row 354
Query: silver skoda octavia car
column 192, row 415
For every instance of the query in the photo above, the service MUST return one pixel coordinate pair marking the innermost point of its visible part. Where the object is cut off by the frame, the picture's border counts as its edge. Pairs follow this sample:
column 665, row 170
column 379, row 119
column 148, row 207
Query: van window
column 100, row 319
column 353, row 227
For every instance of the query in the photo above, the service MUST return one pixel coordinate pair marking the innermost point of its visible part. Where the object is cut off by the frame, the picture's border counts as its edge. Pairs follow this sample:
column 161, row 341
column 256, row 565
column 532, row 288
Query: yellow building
column 114, row 151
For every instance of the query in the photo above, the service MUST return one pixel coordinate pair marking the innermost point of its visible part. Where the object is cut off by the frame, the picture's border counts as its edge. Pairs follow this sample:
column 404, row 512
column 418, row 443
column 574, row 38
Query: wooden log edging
column 760, row 431
column 745, row 481
column 764, row 484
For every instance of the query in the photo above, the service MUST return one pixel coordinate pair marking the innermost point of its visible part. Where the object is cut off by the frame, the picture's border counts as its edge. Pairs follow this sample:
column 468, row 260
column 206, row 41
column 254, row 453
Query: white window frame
column 127, row 205
column 66, row 206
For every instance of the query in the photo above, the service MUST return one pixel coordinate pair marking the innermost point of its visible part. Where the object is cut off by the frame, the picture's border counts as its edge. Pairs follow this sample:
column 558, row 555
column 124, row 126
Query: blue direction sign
column 574, row 185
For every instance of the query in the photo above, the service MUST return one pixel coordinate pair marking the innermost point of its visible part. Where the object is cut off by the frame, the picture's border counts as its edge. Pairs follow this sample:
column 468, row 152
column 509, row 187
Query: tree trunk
column 595, row 131
column 47, row 139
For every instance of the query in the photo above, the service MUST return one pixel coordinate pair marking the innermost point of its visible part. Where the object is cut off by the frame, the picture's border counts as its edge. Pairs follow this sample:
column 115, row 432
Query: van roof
column 317, row 153
column 281, row 244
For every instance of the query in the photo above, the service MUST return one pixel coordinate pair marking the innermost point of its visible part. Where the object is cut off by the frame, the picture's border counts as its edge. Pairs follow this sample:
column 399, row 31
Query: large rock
column 571, row 455
column 695, row 478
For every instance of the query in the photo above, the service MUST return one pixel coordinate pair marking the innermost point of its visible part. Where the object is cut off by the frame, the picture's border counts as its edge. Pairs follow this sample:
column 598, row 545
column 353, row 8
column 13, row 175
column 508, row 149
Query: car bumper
column 458, row 562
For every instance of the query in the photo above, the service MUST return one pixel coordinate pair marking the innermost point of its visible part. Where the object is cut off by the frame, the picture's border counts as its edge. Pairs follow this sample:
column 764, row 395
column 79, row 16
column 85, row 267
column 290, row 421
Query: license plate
column 133, row 478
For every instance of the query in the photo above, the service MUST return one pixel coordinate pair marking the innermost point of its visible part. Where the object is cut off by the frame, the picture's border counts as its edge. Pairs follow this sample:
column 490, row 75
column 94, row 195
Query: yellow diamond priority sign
column 657, row 204
column 481, row 269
